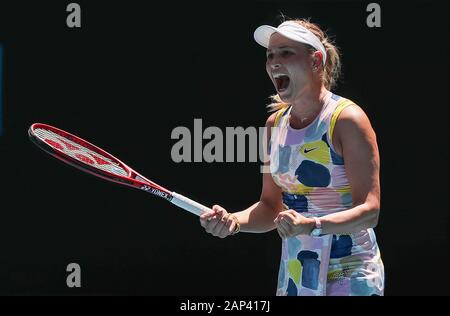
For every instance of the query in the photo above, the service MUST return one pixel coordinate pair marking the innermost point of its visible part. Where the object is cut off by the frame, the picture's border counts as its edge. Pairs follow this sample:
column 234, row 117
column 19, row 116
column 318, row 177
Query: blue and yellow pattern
column 312, row 176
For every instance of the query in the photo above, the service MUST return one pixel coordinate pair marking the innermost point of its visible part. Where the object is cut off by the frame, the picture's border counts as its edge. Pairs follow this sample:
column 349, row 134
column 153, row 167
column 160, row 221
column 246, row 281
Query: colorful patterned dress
column 312, row 176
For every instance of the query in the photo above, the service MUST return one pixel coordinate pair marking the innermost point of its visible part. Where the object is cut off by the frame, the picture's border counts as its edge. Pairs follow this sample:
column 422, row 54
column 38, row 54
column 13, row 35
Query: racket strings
column 79, row 152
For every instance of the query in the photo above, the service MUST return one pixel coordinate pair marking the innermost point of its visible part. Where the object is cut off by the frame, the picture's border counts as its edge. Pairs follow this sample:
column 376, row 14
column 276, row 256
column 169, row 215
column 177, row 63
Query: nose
column 274, row 63
column 275, row 66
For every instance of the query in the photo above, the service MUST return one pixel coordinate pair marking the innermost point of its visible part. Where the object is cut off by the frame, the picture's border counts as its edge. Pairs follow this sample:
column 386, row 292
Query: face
column 289, row 65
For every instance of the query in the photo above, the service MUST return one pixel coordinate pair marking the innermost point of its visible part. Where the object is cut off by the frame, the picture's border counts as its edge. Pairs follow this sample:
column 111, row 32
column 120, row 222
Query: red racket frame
column 130, row 180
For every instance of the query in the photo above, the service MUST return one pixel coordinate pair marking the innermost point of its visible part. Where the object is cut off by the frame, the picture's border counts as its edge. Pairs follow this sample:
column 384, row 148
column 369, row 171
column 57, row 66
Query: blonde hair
column 332, row 68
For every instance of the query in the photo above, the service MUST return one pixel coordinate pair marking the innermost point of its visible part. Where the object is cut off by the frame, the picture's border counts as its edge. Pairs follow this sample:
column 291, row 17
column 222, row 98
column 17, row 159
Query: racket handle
column 189, row 205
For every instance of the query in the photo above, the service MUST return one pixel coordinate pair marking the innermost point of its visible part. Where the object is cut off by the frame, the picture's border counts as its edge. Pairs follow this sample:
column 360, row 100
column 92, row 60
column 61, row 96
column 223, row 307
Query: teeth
column 278, row 75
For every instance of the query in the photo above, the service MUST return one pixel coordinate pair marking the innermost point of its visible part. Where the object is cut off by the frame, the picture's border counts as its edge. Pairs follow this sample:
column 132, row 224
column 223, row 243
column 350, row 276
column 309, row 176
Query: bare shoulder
column 353, row 130
column 353, row 118
column 271, row 119
column 270, row 123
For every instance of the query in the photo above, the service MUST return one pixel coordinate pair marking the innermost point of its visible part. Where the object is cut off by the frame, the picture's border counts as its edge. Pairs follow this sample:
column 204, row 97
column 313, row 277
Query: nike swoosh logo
column 305, row 151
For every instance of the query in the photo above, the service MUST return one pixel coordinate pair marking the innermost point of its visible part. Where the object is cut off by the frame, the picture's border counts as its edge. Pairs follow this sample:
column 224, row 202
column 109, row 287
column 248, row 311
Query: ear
column 317, row 58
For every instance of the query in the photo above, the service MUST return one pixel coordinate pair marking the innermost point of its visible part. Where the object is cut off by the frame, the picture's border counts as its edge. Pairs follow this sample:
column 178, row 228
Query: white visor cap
column 293, row 31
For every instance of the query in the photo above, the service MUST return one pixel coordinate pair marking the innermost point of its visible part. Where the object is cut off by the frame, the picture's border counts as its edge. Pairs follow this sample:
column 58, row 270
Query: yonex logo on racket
column 156, row 192
column 89, row 158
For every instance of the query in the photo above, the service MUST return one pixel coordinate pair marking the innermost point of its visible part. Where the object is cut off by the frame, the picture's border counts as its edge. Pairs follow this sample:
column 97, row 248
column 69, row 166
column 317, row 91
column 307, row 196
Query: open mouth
column 282, row 82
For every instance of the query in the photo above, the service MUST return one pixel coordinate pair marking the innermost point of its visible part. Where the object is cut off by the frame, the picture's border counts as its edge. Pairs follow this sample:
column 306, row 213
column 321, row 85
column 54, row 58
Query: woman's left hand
column 291, row 223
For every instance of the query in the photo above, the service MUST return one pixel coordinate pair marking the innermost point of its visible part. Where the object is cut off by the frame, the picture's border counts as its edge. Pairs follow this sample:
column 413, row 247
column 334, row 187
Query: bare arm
column 258, row 218
column 355, row 140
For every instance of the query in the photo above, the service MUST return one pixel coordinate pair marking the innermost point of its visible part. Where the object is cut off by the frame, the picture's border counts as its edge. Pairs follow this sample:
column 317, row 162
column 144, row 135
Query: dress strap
column 279, row 114
column 342, row 104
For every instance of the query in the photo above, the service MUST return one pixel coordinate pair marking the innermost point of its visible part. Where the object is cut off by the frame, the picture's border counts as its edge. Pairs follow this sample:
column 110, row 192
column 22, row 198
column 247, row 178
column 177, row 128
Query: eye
column 286, row 53
column 270, row 56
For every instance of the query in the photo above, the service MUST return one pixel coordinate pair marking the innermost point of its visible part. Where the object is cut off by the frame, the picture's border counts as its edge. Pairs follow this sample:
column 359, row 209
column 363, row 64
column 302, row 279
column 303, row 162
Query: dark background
column 135, row 71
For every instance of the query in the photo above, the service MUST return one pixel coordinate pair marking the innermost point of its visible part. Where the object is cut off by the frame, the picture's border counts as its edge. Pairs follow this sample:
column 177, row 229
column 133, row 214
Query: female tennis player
column 323, row 190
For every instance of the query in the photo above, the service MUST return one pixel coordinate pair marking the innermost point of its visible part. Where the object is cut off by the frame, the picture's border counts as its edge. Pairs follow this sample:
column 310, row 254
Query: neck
column 307, row 106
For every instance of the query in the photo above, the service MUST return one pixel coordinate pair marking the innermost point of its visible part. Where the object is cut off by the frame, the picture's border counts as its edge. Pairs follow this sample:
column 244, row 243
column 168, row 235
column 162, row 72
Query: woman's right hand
column 219, row 222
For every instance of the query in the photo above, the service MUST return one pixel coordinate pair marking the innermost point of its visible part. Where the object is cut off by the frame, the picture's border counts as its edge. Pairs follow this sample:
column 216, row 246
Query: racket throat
column 157, row 192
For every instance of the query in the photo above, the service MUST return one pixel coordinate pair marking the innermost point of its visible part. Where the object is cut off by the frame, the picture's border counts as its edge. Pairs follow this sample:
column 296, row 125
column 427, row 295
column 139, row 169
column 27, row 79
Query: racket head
column 89, row 158
column 83, row 155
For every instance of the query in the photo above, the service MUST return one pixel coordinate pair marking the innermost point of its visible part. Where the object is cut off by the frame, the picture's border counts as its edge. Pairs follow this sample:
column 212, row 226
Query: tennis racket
column 89, row 158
